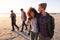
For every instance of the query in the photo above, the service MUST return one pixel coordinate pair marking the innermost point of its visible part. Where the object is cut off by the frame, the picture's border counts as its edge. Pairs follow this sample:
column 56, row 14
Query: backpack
column 13, row 16
column 25, row 17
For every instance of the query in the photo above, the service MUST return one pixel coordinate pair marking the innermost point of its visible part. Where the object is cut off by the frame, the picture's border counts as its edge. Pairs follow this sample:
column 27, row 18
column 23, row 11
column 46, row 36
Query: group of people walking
column 40, row 24
column 13, row 20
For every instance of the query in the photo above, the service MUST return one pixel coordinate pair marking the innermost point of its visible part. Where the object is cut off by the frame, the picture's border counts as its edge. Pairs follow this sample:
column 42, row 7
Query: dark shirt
column 42, row 24
column 13, row 17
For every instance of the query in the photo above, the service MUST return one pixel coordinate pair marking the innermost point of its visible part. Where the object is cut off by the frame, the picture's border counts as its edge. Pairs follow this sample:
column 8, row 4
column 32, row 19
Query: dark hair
column 21, row 9
column 43, row 5
column 33, row 10
column 11, row 10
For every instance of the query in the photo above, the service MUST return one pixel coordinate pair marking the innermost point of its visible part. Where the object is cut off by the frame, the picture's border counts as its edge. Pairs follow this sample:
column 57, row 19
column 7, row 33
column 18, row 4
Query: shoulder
column 38, row 15
column 14, row 14
column 24, row 12
column 51, row 17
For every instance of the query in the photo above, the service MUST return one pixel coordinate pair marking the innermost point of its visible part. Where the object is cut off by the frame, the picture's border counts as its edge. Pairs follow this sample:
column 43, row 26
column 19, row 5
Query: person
column 28, row 22
column 13, row 20
column 29, row 25
column 46, row 23
column 33, row 21
column 24, row 18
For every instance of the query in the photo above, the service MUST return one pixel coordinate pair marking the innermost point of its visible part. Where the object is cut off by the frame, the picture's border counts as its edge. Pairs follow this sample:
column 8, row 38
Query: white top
column 34, row 25
column 22, row 16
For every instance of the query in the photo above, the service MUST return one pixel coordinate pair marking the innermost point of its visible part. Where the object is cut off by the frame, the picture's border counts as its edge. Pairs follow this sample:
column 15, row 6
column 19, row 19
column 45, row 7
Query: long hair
column 33, row 10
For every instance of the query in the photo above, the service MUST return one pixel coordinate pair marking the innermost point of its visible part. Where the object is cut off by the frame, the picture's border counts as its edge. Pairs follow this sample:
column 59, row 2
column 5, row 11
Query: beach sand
column 7, row 34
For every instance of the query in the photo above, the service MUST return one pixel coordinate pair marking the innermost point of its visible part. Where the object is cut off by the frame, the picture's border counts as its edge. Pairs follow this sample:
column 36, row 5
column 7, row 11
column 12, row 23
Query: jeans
column 14, row 25
column 33, row 36
column 23, row 24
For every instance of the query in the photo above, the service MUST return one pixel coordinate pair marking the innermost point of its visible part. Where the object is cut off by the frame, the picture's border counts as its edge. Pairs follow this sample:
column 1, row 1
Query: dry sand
column 7, row 34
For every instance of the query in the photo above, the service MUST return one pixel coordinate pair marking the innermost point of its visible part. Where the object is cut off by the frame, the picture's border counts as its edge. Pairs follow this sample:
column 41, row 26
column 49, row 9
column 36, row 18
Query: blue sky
column 7, row 5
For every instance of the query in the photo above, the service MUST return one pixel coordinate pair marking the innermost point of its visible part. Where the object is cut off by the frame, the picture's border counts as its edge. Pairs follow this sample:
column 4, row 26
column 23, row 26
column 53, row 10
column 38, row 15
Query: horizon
column 18, row 14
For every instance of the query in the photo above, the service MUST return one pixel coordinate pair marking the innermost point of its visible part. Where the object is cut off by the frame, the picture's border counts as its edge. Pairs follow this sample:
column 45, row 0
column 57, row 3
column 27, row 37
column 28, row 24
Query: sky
column 16, row 5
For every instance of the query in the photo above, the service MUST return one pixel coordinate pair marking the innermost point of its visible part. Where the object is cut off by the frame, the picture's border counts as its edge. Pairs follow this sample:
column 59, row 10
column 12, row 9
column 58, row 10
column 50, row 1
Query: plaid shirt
column 42, row 24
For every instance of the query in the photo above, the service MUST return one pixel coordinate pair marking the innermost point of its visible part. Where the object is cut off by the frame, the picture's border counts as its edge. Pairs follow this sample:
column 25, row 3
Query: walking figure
column 24, row 18
column 13, row 20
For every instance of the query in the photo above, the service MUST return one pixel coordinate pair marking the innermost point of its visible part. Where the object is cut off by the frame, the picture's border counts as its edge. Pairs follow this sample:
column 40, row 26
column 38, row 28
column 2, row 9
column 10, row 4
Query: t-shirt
column 22, row 16
column 34, row 25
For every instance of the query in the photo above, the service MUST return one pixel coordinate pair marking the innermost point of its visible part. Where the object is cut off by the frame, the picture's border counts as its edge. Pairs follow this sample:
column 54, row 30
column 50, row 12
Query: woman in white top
column 33, row 21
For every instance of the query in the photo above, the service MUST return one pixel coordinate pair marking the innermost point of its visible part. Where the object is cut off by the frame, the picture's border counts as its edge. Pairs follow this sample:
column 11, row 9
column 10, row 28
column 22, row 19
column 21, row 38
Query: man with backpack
column 13, row 20
column 45, row 23
column 24, row 18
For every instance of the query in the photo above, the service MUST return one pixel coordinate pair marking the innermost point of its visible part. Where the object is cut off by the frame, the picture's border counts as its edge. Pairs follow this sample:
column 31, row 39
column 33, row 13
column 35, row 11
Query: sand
column 7, row 34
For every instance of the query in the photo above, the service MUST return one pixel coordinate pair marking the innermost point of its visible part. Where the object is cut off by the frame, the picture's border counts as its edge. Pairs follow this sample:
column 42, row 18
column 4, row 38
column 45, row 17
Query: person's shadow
column 23, row 34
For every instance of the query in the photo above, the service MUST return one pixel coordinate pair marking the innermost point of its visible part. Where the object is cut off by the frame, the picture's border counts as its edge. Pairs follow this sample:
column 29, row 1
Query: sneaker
column 21, row 31
column 26, row 29
column 12, row 30
column 29, row 34
column 18, row 28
